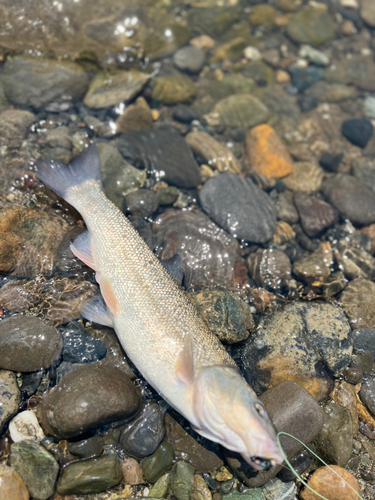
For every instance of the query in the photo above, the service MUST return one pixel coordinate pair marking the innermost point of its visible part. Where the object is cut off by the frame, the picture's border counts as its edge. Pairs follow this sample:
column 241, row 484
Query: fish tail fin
column 60, row 177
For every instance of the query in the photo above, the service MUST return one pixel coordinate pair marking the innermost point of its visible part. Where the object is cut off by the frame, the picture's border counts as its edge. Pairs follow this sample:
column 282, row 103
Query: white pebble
column 313, row 55
column 351, row 4
column 25, row 425
column 252, row 53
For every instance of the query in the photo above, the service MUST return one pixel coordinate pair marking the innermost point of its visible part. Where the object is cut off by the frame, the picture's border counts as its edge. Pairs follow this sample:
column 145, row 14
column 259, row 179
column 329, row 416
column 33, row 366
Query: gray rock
column 364, row 340
column 363, row 169
column 213, row 20
column 270, row 268
column 313, row 55
column 363, row 361
column 358, row 71
column 143, row 202
column 358, row 300
column 181, row 480
column 241, row 110
column 36, row 466
column 79, row 346
column 354, row 261
column 316, row 267
column 311, row 25
column 285, row 208
column 10, row 397
column 240, row 207
column 163, row 153
column 367, row 393
column 189, row 58
column 43, row 83
column 27, row 344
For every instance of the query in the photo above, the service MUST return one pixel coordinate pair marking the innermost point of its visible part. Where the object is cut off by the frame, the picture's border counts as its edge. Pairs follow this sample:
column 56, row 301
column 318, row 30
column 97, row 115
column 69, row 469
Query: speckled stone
column 354, row 261
column 241, row 110
column 10, row 397
column 181, row 480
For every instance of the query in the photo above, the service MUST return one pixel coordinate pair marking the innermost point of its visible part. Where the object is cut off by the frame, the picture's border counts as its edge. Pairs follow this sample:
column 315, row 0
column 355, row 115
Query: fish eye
column 262, row 462
column 259, row 409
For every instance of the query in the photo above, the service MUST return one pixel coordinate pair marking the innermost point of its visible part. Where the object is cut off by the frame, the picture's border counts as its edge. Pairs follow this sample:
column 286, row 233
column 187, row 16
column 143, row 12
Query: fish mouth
column 263, row 464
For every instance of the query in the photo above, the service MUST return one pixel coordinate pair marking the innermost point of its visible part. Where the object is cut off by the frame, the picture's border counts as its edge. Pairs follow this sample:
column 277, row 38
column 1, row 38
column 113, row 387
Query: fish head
column 228, row 412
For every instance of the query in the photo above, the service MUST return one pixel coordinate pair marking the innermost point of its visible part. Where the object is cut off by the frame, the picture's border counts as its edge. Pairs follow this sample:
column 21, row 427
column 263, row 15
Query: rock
column 315, row 215
column 325, row 482
column 90, row 476
column 184, row 113
column 279, row 489
column 369, row 107
column 43, row 83
column 132, row 472
column 25, row 426
column 346, row 396
column 137, row 116
column 285, row 208
column 367, row 393
column 311, row 25
column 225, row 314
column 331, row 161
column 213, row 20
column 270, row 268
column 225, row 268
column 188, row 449
column 292, row 410
column 262, row 15
column 189, row 58
column 173, row 89
column 200, row 489
column 159, row 462
column 89, row 396
column 36, row 466
column 167, row 195
column 315, row 268
column 161, row 487
column 300, row 462
column 79, row 347
column 143, row 435
column 11, row 485
column 367, row 12
column 181, row 480
column 353, row 200
column 364, row 340
column 334, row 284
column 64, row 259
column 313, row 55
column 364, row 171
column 354, row 261
column 283, row 234
column 229, row 51
column 27, row 344
column 217, row 155
column 103, row 129
column 307, row 103
column 87, row 448
column 303, row 78
column 119, row 177
column 10, row 397
column 26, row 252
column 239, row 207
column 358, row 131
column 306, row 176
column 298, row 343
column 357, row 301
column 241, row 110
column 266, row 154
column 352, row 375
column 111, row 88
column 162, row 152
column 142, row 202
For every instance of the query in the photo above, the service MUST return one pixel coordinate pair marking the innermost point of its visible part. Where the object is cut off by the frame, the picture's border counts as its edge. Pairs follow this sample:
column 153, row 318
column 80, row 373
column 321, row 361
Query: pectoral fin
column 94, row 310
column 108, row 295
column 185, row 364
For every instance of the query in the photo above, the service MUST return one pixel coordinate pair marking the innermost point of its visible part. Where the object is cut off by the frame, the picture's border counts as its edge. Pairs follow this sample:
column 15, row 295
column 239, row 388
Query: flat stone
column 28, row 344
column 36, row 466
column 213, row 20
column 189, row 58
column 10, row 397
column 172, row 89
column 142, row 202
column 357, row 301
column 137, row 116
column 311, row 25
column 90, row 476
column 11, row 485
column 161, row 487
column 358, row 71
column 303, row 78
column 87, row 448
column 43, row 83
column 270, row 268
column 306, row 176
column 363, row 169
column 241, row 110
column 163, row 153
column 326, row 482
column 159, row 462
column 315, row 215
column 89, row 396
column 240, row 207
column 181, row 480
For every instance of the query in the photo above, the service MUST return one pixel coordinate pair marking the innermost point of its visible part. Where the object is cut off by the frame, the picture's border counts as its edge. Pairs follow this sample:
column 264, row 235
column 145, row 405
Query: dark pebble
column 302, row 78
column 315, row 215
column 352, row 375
column 87, row 448
column 307, row 103
column 174, row 267
column 330, row 161
column 367, row 394
column 144, row 229
column 364, row 340
column 358, row 131
column 184, row 113
column 270, row 268
column 142, row 202
column 79, row 346
column 363, row 361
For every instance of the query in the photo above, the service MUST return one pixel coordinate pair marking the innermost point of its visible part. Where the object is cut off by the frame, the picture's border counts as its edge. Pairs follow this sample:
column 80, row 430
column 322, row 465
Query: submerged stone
column 10, row 397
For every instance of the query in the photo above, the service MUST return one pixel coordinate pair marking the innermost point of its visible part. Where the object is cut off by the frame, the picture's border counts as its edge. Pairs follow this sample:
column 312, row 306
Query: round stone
column 358, row 131
column 189, row 58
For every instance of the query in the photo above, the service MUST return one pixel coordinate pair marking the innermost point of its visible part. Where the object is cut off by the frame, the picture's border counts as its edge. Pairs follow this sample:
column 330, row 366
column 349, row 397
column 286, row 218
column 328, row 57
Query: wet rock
column 43, row 83
column 303, row 78
column 364, row 340
column 189, row 58
column 187, row 448
column 161, row 487
column 363, row 361
column 270, row 268
column 36, row 466
column 200, row 489
column 311, row 25
column 184, row 113
column 358, row 131
column 241, row 110
column 90, row 476
column 313, row 55
column 283, row 234
column 65, row 261
column 213, row 20
column 159, row 462
column 352, row 375
column 132, row 472
column 27, row 344
column 225, row 314
column 29, row 238
column 266, row 154
column 278, row 489
column 109, row 89
column 367, row 12
column 217, row 155
column 285, row 208
column 334, row 284
column 357, row 301
column 144, row 434
column 163, row 153
column 306, row 176
column 293, row 410
column 315, row 215
column 79, row 347
column 307, row 103
column 172, row 89
column 25, row 426
column 353, row 200
column 181, row 480
column 239, row 207
column 300, row 342
column 87, row 448
column 367, row 393
column 354, row 261
column 364, row 171
column 119, row 177
column 137, row 116
column 315, row 268
column 10, row 397
column 89, row 396
column 231, row 50
column 167, row 195
column 142, row 202
column 369, row 107
column 325, row 482
column 345, row 395
column 11, row 484
column 102, row 129
column 300, row 462
column 262, row 15
column 225, row 268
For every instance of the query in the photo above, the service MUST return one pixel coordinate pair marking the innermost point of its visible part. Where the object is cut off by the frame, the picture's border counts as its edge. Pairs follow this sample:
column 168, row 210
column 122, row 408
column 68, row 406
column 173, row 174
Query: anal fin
column 81, row 248
column 184, row 370
column 95, row 310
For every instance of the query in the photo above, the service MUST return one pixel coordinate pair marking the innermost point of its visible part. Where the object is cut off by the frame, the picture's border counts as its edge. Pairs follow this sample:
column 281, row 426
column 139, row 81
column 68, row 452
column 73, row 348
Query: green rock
column 312, row 25
column 160, row 488
column 182, row 479
column 251, row 494
column 90, row 476
column 213, row 21
column 262, row 15
column 111, row 88
column 231, row 50
column 166, row 37
column 159, row 462
column 167, row 195
column 173, row 89
column 241, row 110
column 36, row 466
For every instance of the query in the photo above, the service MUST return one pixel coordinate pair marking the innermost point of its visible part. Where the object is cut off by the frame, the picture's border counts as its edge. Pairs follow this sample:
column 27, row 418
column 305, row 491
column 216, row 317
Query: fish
column 157, row 324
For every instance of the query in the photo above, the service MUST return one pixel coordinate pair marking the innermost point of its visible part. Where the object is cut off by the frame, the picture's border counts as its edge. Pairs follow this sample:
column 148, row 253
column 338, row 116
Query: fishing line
column 316, row 456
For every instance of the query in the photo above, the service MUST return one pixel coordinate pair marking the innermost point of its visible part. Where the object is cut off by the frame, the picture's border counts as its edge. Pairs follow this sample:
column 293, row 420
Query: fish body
column 156, row 323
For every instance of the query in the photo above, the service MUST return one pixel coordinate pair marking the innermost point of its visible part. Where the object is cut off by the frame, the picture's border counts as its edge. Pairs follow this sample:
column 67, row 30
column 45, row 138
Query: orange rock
column 266, row 154
column 327, row 484
column 11, row 484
